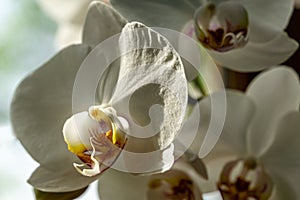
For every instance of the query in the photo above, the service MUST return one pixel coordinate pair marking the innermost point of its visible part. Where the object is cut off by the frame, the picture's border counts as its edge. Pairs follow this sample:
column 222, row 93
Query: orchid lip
column 95, row 139
column 222, row 27
column 252, row 181
column 173, row 184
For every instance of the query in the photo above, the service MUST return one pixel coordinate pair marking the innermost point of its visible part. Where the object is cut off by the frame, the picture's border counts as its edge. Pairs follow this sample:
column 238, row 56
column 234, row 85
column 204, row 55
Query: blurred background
column 27, row 41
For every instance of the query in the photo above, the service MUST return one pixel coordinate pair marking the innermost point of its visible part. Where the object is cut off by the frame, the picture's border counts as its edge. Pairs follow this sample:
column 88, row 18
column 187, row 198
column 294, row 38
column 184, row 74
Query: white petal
column 108, row 82
column 275, row 93
column 149, row 62
column 232, row 142
column 285, row 188
column 257, row 56
column 189, row 134
column 282, row 159
column 102, row 22
column 119, row 185
column 209, row 124
column 42, row 103
column 167, row 14
column 145, row 162
column 56, row 181
column 239, row 112
column 267, row 15
column 114, row 184
column 97, row 76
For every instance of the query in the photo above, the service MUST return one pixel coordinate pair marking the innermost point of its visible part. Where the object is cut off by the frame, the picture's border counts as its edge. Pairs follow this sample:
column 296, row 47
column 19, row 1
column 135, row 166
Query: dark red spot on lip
column 184, row 190
column 86, row 158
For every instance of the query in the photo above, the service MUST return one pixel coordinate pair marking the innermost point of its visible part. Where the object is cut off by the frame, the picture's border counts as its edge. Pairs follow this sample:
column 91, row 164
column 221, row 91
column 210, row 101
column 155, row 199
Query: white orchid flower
column 258, row 153
column 242, row 35
column 149, row 71
column 180, row 182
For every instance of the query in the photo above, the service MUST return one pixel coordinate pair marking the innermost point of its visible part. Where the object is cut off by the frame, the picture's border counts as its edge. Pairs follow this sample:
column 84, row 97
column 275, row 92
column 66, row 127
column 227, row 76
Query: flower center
column 96, row 138
column 245, row 179
column 221, row 27
column 172, row 185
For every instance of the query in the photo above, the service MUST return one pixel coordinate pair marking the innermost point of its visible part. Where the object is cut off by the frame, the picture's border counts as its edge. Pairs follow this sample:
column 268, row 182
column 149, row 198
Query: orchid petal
column 151, row 72
column 232, row 142
column 56, row 181
column 257, row 56
column 267, row 15
column 119, row 185
column 40, row 195
column 212, row 117
column 102, row 22
column 275, row 93
column 97, row 76
column 114, row 184
column 151, row 162
column 282, row 159
column 158, row 13
column 285, row 188
column 108, row 82
column 239, row 111
column 42, row 103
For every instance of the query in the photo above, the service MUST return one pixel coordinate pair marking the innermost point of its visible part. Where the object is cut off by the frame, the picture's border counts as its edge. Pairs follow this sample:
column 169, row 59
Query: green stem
column 201, row 85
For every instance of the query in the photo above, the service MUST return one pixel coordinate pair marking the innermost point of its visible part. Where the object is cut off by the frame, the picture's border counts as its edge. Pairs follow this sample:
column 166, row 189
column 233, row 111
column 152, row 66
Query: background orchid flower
column 180, row 182
column 43, row 102
column 249, row 32
column 258, row 153
column 69, row 16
